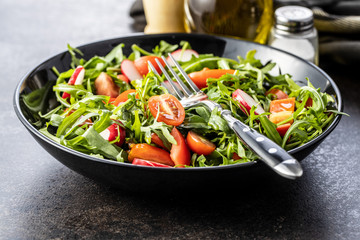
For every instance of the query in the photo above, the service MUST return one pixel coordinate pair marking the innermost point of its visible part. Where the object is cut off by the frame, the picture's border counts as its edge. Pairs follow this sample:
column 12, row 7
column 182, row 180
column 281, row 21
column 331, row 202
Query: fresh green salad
column 114, row 107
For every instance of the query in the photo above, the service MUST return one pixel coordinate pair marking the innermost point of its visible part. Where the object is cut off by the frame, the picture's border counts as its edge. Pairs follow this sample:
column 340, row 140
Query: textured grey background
column 42, row 199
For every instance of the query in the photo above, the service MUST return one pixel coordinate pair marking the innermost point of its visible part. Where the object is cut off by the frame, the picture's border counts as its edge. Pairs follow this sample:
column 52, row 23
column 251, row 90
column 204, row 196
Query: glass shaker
column 294, row 32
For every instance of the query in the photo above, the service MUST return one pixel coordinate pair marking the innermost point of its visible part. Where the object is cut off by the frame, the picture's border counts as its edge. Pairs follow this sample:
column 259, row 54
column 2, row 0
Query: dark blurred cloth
column 337, row 21
column 339, row 31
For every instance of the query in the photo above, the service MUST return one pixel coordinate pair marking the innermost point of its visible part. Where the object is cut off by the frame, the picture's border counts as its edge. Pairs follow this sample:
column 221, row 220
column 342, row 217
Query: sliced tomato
column 179, row 153
column 282, row 129
column 142, row 162
column 111, row 100
column 155, row 139
column 278, row 117
column 141, row 64
column 235, row 156
column 280, row 105
column 123, row 78
column 123, row 97
column 198, row 144
column 309, row 102
column 151, row 153
column 200, row 77
column 277, row 93
column 170, row 109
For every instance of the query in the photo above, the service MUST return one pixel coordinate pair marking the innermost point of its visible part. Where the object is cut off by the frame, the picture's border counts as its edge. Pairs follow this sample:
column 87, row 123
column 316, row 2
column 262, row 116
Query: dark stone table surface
column 42, row 199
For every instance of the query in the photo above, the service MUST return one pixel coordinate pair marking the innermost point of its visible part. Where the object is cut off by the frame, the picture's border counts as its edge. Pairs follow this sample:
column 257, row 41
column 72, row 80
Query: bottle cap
column 294, row 19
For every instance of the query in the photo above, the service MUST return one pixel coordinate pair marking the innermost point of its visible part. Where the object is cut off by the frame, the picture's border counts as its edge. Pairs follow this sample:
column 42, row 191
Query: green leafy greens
column 78, row 121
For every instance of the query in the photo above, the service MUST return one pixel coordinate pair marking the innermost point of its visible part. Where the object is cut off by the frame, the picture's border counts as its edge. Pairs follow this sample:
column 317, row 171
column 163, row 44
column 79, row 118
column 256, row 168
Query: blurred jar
column 245, row 19
column 164, row 16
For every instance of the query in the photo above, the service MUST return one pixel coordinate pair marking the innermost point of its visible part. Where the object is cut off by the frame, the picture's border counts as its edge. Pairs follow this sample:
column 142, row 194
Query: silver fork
column 269, row 152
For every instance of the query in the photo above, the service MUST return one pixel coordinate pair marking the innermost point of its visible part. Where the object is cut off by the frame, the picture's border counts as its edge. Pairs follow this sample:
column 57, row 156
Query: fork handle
column 269, row 152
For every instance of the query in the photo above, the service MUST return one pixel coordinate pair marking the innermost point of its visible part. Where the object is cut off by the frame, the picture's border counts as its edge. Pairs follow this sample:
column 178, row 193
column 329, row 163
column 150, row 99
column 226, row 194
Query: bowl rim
column 33, row 130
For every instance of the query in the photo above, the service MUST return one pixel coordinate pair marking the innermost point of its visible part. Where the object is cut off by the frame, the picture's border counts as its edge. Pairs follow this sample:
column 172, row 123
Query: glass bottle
column 245, row 19
column 164, row 16
column 294, row 32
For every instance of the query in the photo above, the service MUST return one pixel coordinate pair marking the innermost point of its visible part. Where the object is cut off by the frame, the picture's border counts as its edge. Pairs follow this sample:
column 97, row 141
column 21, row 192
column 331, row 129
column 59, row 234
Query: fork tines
column 186, row 91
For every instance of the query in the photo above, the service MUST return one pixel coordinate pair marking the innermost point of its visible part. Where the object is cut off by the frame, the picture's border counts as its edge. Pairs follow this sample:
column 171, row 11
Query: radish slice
column 76, row 78
column 246, row 102
column 112, row 132
column 129, row 70
column 182, row 56
column 80, row 71
column 142, row 162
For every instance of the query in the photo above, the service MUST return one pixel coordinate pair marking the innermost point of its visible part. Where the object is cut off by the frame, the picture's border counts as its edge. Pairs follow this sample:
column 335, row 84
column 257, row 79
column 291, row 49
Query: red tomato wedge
column 200, row 77
column 170, row 109
column 155, row 139
column 278, row 117
column 151, row 153
column 123, row 97
column 309, row 102
column 141, row 64
column 280, row 105
column 111, row 100
column 142, row 162
column 277, row 93
column 198, row 144
column 282, row 129
column 123, row 78
column 179, row 153
column 235, row 156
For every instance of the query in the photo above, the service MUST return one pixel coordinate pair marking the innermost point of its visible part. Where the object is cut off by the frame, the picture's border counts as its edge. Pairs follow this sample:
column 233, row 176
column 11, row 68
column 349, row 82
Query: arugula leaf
column 116, row 54
column 216, row 122
column 68, row 121
column 164, row 48
column 157, row 127
column 250, row 59
column 136, row 127
column 100, row 145
column 318, row 103
column 270, row 129
column 74, row 60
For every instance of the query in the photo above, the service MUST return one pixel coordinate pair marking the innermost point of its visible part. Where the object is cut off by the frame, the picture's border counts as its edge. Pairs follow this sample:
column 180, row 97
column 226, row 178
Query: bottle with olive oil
column 245, row 19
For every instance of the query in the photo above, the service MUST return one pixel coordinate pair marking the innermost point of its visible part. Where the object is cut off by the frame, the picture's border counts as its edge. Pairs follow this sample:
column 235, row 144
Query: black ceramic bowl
column 140, row 178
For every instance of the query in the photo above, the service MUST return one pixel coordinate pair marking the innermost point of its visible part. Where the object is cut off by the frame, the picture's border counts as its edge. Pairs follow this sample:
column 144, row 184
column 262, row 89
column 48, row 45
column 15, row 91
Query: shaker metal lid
column 293, row 18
